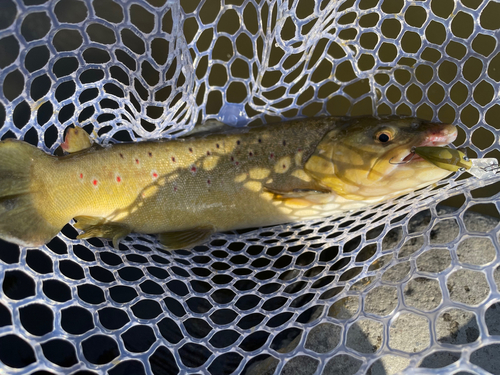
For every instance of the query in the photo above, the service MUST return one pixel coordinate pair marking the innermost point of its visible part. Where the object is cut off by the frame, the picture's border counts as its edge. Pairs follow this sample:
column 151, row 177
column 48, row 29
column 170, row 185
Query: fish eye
column 384, row 136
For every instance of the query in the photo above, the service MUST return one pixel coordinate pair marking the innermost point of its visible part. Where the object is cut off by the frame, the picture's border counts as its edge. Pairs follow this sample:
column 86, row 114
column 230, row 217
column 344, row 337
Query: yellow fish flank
column 187, row 189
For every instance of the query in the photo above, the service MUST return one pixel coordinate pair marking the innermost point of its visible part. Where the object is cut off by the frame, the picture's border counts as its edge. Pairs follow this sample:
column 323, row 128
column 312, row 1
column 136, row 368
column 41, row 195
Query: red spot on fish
column 121, row 155
column 208, row 153
column 173, row 159
column 284, row 166
column 155, row 175
column 190, row 149
column 118, row 179
column 136, row 161
column 208, row 182
column 81, row 175
column 272, row 155
column 232, row 158
column 237, row 163
column 250, row 153
column 94, row 182
column 299, row 150
column 193, row 169
column 175, row 188
column 150, row 154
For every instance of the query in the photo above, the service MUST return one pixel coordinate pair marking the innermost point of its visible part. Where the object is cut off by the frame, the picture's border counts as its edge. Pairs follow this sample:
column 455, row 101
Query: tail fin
column 20, row 222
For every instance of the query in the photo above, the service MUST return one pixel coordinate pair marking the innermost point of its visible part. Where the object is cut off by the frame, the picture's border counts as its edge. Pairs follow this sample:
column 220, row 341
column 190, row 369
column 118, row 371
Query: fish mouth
column 412, row 157
column 438, row 135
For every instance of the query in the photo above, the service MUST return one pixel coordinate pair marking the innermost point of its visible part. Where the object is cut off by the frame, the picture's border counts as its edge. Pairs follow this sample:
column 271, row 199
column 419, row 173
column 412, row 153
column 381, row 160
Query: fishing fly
column 457, row 161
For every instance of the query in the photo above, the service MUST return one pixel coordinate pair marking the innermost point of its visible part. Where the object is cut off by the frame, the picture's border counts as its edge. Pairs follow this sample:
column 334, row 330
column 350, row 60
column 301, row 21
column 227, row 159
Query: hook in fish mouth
column 408, row 158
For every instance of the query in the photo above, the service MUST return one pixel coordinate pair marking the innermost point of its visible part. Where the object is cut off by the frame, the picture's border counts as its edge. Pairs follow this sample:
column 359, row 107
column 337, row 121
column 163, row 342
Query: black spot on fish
column 232, row 158
column 150, row 154
column 173, row 159
column 9, row 204
column 250, row 153
column 284, row 142
column 121, row 155
column 208, row 153
column 217, row 145
column 190, row 149
column 238, row 142
column 260, row 140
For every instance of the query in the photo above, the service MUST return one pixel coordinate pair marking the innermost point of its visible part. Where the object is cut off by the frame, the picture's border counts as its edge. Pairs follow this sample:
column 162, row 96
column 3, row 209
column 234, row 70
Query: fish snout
column 440, row 135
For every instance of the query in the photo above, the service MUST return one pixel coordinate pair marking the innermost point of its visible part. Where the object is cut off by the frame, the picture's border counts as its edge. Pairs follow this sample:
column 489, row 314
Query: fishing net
column 406, row 286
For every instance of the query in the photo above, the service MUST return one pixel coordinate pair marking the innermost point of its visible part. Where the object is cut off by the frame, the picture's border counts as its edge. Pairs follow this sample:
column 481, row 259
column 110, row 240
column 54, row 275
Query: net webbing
column 403, row 286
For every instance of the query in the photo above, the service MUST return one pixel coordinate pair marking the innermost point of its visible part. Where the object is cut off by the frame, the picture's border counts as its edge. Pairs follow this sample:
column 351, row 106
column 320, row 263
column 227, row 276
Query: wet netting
column 406, row 286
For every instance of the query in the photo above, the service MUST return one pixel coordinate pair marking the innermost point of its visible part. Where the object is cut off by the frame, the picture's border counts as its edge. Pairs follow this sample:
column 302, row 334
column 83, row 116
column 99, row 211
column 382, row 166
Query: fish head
column 373, row 158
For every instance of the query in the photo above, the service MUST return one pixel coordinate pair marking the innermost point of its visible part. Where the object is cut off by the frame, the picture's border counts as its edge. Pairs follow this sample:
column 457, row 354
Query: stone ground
column 410, row 332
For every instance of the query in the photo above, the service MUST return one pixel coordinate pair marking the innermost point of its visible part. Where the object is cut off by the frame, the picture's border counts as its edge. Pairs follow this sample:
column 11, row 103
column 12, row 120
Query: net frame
column 319, row 65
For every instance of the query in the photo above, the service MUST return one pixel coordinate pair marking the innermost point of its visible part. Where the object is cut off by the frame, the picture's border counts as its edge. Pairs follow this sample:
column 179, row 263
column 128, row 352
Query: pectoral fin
column 300, row 197
column 84, row 222
column 295, row 193
column 185, row 239
column 76, row 139
column 98, row 227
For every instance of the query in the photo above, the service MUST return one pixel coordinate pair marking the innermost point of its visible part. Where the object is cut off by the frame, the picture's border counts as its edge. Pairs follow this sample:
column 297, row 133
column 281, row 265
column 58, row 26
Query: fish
column 186, row 189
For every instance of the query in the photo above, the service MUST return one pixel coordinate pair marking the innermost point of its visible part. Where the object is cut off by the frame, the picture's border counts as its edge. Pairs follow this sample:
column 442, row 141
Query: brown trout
column 186, row 189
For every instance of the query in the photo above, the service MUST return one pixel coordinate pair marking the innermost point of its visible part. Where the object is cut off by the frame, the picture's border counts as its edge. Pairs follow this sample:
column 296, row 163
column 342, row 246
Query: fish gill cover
column 403, row 286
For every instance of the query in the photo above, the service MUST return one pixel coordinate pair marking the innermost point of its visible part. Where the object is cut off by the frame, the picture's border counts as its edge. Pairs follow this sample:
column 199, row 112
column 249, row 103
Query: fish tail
column 20, row 221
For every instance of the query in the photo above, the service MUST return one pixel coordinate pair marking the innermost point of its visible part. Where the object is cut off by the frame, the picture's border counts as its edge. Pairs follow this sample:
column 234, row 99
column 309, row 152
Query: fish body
column 188, row 188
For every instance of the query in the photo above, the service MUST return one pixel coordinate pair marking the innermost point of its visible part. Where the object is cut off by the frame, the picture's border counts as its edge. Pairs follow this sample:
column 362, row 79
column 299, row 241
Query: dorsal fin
column 75, row 140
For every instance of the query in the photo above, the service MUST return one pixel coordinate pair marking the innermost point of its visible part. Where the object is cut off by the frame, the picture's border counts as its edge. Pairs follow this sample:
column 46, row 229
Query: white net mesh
column 404, row 286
